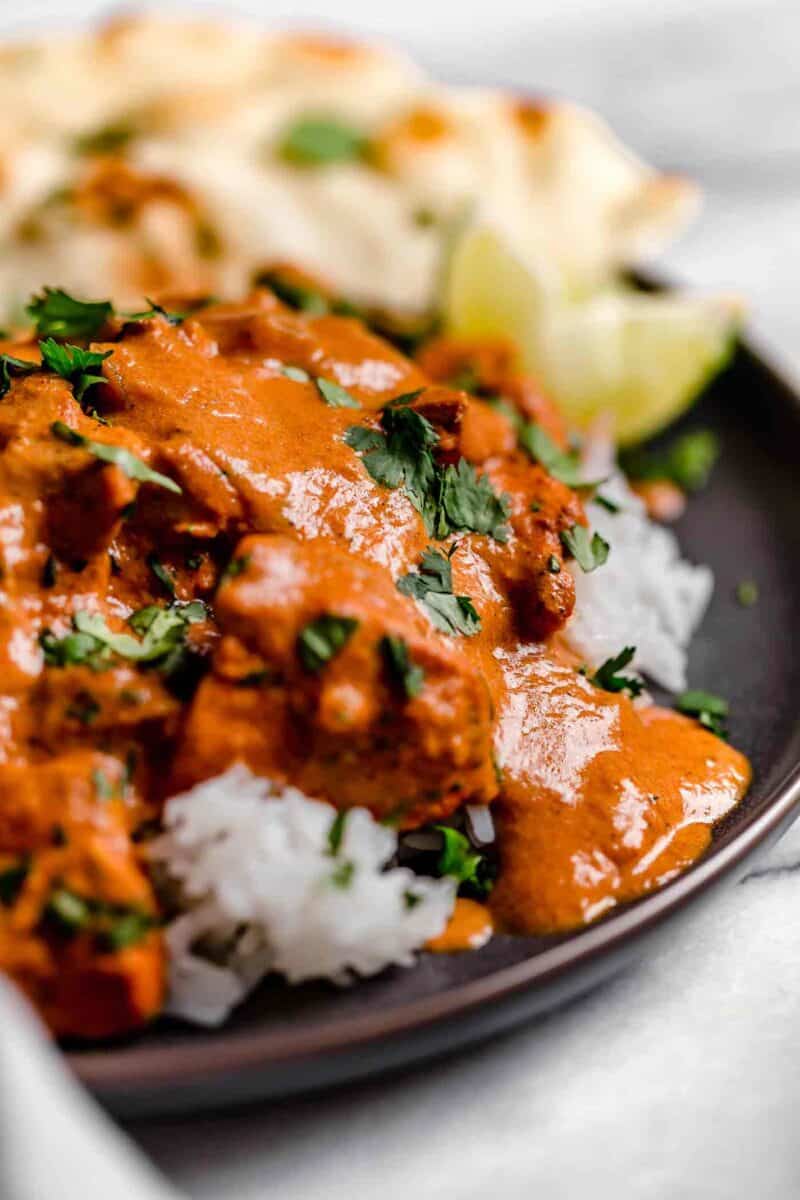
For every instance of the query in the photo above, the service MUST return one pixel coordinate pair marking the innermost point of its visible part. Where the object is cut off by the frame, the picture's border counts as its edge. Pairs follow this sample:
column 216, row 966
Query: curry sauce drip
column 271, row 522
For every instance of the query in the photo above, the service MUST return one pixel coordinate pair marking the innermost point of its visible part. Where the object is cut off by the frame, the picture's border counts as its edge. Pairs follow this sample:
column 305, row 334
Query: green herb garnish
column 11, row 367
column 432, row 586
column 407, row 674
column 107, row 139
column 688, row 462
column 590, row 551
column 128, row 463
column 459, row 860
column 449, row 500
column 563, row 465
column 235, row 567
column 747, row 593
column 710, row 710
column 164, row 577
column 608, row 676
column 74, row 364
column 315, row 141
column 336, row 396
column 12, row 880
column 604, row 502
column 115, row 926
column 336, row 832
column 296, row 373
column 323, row 639
column 59, row 315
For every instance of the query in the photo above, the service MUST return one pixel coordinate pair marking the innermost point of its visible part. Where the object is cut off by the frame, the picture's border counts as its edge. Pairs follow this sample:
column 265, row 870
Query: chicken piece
column 77, row 913
column 330, row 679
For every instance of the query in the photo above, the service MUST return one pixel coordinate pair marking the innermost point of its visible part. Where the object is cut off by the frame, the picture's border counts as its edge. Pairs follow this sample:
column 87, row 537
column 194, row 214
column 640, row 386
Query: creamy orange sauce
column 470, row 927
column 596, row 801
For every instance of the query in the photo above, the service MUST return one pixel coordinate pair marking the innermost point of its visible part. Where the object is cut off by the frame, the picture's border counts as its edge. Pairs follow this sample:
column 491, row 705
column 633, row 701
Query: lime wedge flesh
column 640, row 358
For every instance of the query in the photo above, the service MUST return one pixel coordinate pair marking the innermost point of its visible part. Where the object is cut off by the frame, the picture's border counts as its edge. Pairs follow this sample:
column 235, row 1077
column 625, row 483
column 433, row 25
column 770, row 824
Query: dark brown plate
column 746, row 525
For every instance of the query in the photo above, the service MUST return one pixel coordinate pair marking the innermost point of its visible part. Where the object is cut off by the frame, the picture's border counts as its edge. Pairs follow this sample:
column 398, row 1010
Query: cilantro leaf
column 157, row 310
column 459, row 860
column 107, row 139
column 314, row 141
column 92, row 642
column 74, row 364
column 590, row 551
column 57, row 314
column 448, row 499
column 164, row 577
column 336, row 396
column 608, row 676
column 468, row 501
column 12, row 880
column 115, row 926
column 323, row 639
column 407, row 674
column 401, row 455
column 432, row 586
column 710, row 710
column 563, row 465
column 688, row 462
column 336, row 832
column 128, row 463
column 10, row 367
column 296, row 373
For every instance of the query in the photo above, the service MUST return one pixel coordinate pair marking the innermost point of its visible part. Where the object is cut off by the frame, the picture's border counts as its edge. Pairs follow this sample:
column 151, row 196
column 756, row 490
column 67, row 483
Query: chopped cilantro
column 554, row 565
column 307, row 299
column 590, row 551
column 710, row 710
column 450, row 499
column 402, row 670
column 314, row 141
column 114, row 926
column 747, row 593
column 468, row 502
column 296, row 373
column 688, row 462
column 12, row 880
column 236, row 567
column 10, row 367
column 563, row 465
column 604, row 502
column 323, row 639
column 128, row 463
column 459, row 860
column 161, row 630
column 432, row 586
column 74, row 364
column 608, row 676
column 336, row 832
column 336, row 396
column 157, row 310
column 164, row 577
column 342, row 876
column 57, row 314
column 107, row 139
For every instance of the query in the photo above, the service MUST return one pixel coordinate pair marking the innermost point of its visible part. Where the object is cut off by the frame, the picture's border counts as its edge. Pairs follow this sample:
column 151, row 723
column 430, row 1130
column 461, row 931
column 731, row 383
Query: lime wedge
column 638, row 357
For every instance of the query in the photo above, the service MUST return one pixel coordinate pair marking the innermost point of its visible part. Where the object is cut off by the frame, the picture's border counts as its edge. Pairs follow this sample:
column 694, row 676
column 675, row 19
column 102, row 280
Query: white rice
column 255, row 875
column 645, row 595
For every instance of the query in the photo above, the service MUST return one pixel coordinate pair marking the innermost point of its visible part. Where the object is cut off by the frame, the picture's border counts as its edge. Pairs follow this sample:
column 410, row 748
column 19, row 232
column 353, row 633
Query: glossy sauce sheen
column 595, row 801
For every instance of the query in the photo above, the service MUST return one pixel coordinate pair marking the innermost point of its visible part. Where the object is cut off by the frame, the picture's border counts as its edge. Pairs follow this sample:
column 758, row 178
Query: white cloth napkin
column 55, row 1143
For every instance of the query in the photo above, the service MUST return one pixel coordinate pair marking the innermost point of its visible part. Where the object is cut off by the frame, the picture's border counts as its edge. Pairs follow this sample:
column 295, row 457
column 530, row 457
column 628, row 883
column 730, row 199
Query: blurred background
column 706, row 87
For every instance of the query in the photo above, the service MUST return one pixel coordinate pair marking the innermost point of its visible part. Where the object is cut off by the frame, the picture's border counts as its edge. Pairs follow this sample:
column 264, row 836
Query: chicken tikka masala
column 240, row 533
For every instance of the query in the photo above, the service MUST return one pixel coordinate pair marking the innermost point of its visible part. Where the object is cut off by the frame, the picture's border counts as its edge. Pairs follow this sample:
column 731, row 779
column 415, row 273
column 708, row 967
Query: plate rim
column 118, row 1077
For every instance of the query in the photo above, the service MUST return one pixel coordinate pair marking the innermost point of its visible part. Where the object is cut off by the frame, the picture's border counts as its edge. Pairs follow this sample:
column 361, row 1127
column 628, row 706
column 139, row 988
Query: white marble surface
column 681, row 1078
